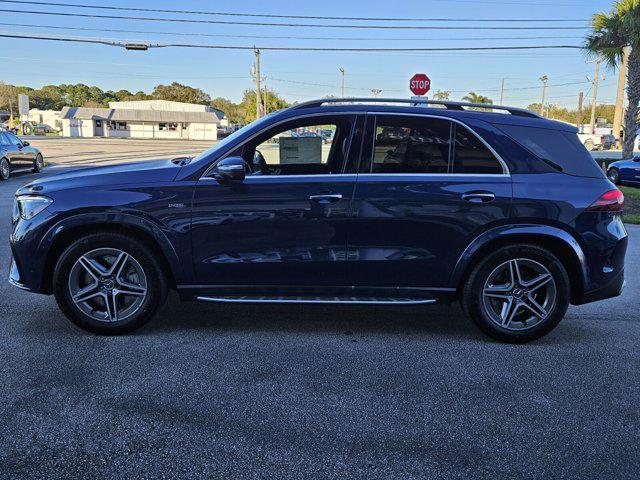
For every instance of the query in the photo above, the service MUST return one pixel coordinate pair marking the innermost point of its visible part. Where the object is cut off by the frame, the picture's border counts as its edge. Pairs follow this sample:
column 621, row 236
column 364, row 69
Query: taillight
column 611, row 201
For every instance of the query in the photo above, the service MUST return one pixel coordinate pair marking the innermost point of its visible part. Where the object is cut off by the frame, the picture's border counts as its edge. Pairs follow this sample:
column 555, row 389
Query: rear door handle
column 479, row 197
column 326, row 198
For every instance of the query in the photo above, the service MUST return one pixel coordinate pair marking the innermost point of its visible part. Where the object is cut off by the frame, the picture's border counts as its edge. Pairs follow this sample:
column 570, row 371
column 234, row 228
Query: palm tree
column 611, row 34
column 473, row 97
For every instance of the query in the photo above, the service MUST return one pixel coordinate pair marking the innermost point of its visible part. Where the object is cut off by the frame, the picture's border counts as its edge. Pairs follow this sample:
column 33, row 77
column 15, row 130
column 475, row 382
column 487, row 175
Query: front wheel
column 518, row 293
column 614, row 176
column 5, row 169
column 38, row 164
column 109, row 283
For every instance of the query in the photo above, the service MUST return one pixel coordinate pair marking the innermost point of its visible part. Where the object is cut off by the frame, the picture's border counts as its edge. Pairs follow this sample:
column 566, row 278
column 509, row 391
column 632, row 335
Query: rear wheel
column 518, row 293
column 5, row 169
column 614, row 176
column 109, row 283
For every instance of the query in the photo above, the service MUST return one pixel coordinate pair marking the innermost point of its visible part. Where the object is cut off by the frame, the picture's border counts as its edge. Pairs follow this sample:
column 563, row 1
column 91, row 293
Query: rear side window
column 411, row 145
column 418, row 145
column 470, row 155
column 560, row 147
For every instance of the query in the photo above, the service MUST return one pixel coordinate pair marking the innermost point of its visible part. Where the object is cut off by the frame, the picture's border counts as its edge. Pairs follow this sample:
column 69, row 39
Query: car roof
column 460, row 115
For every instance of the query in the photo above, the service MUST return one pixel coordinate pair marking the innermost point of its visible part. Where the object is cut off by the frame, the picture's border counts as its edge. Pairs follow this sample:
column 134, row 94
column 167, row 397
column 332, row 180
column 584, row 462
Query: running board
column 325, row 300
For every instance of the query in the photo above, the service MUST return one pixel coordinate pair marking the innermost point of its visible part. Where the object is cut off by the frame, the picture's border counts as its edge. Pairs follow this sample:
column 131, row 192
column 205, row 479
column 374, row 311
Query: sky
column 301, row 76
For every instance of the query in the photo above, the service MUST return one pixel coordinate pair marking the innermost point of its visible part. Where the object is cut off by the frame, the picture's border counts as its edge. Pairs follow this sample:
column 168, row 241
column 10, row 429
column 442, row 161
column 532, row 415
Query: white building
column 51, row 118
column 143, row 119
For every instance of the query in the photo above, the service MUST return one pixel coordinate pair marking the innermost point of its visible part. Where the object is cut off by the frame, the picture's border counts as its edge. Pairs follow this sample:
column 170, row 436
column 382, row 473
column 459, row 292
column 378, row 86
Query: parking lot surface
column 235, row 391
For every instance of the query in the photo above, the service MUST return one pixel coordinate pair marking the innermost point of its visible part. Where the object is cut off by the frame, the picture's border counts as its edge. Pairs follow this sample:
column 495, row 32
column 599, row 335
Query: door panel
column 409, row 231
column 269, row 231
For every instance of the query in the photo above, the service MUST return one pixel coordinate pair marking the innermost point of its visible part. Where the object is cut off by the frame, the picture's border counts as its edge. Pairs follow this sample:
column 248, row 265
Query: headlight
column 28, row 206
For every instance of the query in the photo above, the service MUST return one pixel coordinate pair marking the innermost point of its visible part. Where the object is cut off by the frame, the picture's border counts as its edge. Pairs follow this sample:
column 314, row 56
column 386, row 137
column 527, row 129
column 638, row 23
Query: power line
column 264, row 24
column 282, row 37
column 300, row 17
column 114, row 42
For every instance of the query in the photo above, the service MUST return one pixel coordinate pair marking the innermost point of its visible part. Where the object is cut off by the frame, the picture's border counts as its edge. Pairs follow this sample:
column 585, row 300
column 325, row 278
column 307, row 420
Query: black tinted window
column 12, row 139
column 411, row 145
column 562, row 148
column 470, row 155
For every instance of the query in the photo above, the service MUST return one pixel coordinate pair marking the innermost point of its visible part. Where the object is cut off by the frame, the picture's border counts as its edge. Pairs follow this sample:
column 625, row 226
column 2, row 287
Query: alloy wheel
column 4, row 169
column 519, row 294
column 108, row 284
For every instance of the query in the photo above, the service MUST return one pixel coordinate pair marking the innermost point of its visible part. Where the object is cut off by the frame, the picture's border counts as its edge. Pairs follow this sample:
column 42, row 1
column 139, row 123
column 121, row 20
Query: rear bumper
column 613, row 289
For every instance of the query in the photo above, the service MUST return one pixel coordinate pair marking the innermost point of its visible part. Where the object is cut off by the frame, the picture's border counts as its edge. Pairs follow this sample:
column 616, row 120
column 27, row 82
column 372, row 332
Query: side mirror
column 25, row 144
column 230, row 170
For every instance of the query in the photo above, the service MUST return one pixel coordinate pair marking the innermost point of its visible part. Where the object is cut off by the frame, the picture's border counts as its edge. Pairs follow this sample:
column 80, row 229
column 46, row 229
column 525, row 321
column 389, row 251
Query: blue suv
column 350, row 201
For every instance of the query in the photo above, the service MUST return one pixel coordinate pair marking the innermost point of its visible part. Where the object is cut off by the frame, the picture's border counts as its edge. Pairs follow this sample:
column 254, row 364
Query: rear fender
column 518, row 231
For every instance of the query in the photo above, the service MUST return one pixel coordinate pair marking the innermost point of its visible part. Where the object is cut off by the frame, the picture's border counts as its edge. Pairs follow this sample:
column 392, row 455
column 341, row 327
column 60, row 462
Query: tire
column 489, row 313
column 38, row 164
column 614, row 176
column 144, row 273
column 589, row 145
column 5, row 169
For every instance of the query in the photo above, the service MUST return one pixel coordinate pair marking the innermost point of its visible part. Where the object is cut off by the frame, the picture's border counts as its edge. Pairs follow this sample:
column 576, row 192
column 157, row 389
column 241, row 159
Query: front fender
column 514, row 231
column 121, row 219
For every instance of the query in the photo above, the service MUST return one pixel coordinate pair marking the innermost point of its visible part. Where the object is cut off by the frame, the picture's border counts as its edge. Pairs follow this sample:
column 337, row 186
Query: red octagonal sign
column 419, row 84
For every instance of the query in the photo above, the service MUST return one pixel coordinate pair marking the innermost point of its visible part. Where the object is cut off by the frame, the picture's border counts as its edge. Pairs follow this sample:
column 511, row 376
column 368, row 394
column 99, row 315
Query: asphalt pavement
column 209, row 391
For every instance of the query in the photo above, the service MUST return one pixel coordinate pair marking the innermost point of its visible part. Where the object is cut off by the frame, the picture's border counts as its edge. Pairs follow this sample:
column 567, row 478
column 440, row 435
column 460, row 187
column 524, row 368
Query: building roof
column 135, row 115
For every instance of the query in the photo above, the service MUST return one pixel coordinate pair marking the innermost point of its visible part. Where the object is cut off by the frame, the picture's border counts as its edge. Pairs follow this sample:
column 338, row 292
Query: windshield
column 231, row 138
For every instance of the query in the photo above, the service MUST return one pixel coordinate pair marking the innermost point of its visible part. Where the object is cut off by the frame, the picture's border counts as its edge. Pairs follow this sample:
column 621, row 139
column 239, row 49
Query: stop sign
column 419, row 84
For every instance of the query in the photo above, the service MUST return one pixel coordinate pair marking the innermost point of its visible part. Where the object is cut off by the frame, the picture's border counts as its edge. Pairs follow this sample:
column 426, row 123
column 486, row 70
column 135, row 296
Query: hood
column 140, row 172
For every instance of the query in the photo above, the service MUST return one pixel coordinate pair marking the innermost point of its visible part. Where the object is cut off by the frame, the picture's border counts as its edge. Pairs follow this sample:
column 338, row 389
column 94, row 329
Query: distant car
column 607, row 142
column 42, row 129
column 625, row 171
column 17, row 155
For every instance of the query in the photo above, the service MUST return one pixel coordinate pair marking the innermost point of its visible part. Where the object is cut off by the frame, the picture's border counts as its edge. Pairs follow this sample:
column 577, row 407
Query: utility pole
column 376, row 92
column 579, row 116
column 544, row 79
column 257, row 78
column 266, row 96
column 502, row 92
column 342, row 74
column 592, row 123
column 622, row 79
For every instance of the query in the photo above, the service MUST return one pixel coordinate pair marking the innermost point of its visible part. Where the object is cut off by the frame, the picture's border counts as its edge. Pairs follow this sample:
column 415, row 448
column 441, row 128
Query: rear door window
column 560, row 147
column 411, row 145
column 419, row 145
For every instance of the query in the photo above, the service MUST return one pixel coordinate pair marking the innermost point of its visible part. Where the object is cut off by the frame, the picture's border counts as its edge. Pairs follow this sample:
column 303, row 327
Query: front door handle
column 479, row 197
column 326, row 198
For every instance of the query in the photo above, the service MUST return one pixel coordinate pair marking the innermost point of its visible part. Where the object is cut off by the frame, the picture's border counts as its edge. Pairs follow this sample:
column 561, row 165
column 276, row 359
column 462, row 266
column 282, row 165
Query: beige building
column 143, row 119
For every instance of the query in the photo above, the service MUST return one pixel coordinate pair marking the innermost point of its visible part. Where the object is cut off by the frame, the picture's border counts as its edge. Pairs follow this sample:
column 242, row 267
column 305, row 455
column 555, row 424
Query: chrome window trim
column 308, row 115
column 505, row 168
column 355, row 176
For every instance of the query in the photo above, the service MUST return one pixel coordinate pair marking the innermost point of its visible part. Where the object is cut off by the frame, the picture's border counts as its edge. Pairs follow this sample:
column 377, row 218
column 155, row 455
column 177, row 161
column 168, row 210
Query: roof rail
column 418, row 101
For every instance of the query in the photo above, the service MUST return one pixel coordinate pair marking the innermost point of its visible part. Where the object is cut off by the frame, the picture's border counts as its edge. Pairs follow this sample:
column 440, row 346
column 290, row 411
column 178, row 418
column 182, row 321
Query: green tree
column 473, row 97
column 611, row 33
column 8, row 97
column 247, row 107
column 230, row 109
column 176, row 92
column 442, row 95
